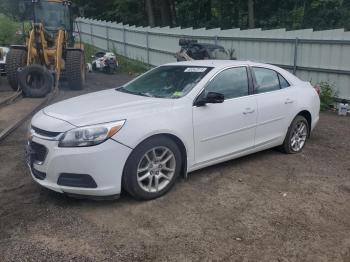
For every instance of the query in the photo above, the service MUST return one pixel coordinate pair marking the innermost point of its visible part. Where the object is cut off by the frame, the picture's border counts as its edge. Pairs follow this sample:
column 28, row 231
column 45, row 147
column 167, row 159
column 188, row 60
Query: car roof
column 218, row 63
column 221, row 64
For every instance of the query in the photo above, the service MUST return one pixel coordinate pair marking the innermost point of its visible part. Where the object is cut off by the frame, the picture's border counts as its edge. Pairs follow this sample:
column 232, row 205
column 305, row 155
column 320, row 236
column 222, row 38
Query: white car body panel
column 273, row 116
column 99, row 161
column 5, row 50
column 51, row 124
column 222, row 129
column 210, row 134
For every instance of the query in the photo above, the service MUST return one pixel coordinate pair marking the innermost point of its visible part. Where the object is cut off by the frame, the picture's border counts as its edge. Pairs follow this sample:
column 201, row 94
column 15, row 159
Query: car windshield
column 166, row 81
column 53, row 15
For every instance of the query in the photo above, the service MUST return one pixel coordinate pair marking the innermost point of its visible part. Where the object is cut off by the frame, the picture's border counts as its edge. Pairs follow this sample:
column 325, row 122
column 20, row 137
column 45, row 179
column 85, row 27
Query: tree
column 173, row 11
column 165, row 13
column 10, row 8
column 8, row 29
column 251, row 16
column 150, row 13
column 267, row 14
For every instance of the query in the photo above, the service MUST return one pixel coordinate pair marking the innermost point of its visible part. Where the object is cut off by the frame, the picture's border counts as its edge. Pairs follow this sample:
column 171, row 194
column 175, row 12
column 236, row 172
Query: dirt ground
column 265, row 207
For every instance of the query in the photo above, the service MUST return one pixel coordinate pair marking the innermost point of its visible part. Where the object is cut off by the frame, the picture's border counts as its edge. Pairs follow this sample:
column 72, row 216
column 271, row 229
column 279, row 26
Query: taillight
column 318, row 89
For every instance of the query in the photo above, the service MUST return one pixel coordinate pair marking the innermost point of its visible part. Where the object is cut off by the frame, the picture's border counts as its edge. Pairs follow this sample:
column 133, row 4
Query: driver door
column 224, row 129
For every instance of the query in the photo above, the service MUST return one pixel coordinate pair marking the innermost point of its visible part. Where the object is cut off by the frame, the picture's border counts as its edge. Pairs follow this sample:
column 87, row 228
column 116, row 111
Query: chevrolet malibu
column 172, row 120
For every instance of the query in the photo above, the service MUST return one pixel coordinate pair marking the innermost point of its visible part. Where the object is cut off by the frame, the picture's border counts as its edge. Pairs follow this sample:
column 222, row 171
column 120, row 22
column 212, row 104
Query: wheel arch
column 183, row 150
column 308, row 117
column 179, row 143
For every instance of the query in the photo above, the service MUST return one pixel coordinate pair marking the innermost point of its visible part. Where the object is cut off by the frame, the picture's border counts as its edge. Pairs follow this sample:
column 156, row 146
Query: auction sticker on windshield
column 195, row 69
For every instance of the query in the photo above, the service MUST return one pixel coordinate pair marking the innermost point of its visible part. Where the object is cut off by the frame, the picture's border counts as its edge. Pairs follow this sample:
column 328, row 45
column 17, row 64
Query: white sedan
column 172, row 120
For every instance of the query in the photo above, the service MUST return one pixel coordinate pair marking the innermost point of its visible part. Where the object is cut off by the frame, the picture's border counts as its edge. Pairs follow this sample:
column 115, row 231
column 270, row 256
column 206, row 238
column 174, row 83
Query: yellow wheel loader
column 50, row 51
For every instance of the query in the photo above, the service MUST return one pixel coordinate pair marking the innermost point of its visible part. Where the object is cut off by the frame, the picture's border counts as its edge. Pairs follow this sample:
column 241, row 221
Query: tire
column 15, row 59
column 94, row 67
column 108, row 70
column 294, row 134
column 35, row 81
column 138, row 162
column 75, row 69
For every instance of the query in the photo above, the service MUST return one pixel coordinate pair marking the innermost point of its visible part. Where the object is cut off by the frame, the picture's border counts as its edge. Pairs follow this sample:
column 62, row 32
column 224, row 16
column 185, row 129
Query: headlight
column 90, row 135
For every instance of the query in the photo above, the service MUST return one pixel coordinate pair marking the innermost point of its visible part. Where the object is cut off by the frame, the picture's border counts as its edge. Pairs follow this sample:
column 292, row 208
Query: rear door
column 229, row 127
column 274, row 97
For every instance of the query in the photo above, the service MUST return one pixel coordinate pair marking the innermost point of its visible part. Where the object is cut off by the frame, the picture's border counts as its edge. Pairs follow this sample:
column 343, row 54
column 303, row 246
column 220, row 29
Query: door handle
column 289, row 101
column 248, row 111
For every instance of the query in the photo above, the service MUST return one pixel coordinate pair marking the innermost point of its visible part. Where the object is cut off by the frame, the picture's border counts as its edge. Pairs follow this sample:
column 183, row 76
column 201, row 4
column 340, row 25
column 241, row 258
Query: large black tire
column 288, row 144
column 130, row 174
column 75, row 69
column 15, row 59
column 35, row 81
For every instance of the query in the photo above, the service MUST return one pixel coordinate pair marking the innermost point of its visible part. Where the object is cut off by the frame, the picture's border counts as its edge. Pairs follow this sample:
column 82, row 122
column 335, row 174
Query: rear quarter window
column 283, row 82
column 268, row 80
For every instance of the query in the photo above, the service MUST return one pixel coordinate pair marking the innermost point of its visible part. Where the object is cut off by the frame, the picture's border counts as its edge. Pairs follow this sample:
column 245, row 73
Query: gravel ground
column 265, row 207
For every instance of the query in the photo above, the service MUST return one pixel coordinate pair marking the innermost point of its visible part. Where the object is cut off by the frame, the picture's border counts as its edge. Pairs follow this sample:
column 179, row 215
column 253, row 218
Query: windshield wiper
column 122, row 89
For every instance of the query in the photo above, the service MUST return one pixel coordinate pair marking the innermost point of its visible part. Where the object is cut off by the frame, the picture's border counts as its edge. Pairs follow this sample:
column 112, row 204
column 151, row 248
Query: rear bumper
column 315, row 122
column 104, row 163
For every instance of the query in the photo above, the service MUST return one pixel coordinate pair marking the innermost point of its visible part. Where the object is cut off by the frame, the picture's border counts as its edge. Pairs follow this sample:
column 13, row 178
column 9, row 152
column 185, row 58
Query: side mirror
column 210, row 98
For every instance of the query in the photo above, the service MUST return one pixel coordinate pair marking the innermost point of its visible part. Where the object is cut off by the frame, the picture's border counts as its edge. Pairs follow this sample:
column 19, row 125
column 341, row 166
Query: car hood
column 106, row 106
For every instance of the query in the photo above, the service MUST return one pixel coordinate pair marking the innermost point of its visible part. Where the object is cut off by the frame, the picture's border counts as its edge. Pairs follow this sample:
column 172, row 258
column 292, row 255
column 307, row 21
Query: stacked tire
column 15, row 59
column 35, row 81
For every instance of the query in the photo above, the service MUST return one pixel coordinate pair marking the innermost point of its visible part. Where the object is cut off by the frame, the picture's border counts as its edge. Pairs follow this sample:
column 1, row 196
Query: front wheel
column 152, row 168
column 297, row 135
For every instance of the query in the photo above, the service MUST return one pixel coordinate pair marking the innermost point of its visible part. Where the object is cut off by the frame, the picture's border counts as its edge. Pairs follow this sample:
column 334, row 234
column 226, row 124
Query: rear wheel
column 75, row 69
column 152, row 168
column 15, row 59
column 297, row 135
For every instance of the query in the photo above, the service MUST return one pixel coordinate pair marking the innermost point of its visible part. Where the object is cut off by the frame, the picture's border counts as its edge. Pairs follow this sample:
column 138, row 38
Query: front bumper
column 104, row 163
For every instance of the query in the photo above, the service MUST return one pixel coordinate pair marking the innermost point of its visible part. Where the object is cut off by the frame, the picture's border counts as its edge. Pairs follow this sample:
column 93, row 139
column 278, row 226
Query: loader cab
column 54, row 15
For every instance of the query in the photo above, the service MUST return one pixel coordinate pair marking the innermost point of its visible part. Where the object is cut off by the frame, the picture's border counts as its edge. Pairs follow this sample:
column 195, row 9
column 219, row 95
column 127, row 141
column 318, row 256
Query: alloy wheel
column 299, row 136
column 156, row 169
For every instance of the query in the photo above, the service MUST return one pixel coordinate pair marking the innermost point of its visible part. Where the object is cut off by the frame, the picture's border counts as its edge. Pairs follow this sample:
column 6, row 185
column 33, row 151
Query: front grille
column 76, row 180
column 44, row 132
column 38, row 152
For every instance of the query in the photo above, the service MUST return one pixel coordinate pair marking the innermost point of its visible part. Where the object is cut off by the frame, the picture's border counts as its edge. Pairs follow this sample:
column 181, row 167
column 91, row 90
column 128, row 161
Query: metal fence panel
column 314, row 56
